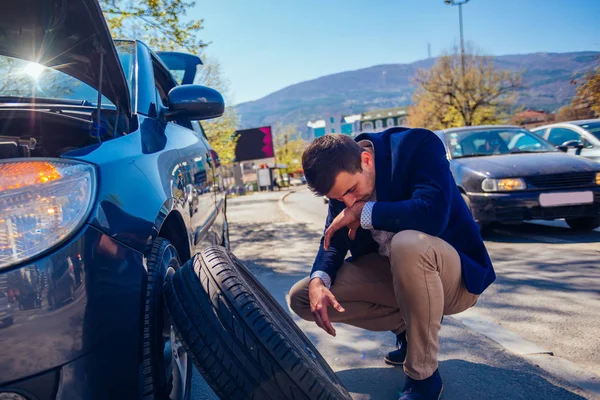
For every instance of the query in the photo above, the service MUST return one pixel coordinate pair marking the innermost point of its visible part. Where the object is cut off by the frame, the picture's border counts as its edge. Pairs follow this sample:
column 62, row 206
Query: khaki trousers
column 420, row 282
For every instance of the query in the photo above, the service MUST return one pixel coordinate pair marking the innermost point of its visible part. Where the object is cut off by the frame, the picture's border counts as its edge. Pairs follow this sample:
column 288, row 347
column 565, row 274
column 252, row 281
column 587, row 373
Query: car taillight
column 42, row 201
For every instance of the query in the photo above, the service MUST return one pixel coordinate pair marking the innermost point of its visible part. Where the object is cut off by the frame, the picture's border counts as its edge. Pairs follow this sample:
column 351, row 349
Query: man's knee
column 299, row 301
column 408, row 250
column 410, row 243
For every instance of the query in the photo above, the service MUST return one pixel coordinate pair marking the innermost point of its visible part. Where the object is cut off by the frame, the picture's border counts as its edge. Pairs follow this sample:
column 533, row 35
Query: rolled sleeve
column 366, row 217
column 323, row 276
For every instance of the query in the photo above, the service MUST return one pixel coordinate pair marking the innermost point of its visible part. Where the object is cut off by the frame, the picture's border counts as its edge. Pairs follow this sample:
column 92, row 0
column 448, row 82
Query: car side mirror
column 195, row 102
column 572, row 143
column 562, row 147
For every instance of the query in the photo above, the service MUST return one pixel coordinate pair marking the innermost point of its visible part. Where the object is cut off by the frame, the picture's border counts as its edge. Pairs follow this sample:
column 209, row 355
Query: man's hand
column 349, row 217
column 320, row 298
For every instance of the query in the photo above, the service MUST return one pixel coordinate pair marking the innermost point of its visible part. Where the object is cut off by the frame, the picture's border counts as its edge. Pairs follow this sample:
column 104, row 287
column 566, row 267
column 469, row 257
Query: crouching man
column 416, row 252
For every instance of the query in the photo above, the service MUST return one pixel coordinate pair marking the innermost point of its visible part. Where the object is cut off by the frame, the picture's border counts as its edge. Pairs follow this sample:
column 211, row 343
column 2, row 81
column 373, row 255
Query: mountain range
column 547, row 86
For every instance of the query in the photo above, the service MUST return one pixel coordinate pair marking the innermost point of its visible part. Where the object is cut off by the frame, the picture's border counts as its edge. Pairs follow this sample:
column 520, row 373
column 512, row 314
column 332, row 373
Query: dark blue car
column 107, row 185
column 507, row 174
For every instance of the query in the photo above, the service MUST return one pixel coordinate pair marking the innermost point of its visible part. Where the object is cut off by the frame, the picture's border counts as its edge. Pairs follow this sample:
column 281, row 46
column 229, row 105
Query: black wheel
column 167, row 370
column 240, row 339
column 584, row 224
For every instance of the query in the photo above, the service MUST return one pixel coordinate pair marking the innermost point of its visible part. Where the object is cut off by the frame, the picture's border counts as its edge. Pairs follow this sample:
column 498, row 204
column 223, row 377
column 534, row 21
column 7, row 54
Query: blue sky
column 266, row 45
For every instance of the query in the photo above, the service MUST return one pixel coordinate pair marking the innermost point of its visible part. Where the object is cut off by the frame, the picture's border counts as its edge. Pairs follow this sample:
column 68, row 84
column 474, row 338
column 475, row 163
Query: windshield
column 30, row 80
column 593, row 128
column 495, row 141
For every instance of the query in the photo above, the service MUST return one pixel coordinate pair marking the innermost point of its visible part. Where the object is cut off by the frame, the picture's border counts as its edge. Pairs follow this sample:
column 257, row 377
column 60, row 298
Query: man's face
column 493, row 144
column 350, row 188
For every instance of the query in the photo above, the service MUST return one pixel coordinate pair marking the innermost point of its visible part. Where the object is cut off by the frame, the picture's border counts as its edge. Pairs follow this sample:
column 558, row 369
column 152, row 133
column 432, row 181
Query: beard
column 370, row 182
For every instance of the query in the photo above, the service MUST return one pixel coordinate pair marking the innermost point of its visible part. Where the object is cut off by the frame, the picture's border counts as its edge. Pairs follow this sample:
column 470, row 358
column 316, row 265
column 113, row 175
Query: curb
column 537, row 355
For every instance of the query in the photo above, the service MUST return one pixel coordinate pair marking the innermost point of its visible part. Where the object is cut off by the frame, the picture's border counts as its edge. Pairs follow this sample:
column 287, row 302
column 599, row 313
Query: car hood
column 529, row 164
column 67, row 35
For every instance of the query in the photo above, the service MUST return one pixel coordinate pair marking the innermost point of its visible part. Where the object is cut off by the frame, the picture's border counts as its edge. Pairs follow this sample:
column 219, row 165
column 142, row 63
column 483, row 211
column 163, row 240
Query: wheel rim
column 175, row 356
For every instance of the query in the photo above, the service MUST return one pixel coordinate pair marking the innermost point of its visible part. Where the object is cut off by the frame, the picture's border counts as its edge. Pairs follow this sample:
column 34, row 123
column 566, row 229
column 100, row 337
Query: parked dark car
column 98, row 203
column 508, row 174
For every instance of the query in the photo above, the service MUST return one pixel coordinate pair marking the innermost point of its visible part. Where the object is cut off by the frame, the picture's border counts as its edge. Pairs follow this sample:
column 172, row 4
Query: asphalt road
column 548, row 282
column 280, row 250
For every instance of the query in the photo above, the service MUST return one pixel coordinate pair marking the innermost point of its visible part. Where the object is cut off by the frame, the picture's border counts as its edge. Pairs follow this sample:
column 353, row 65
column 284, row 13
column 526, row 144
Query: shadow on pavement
column 537, row 233
column 462, row 380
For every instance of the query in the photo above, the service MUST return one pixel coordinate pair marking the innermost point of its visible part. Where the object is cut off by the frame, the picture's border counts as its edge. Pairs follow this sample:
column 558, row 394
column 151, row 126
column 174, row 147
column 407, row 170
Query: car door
column 183, row 67
column 560, row 136
column 196, row 177
column 218, row 187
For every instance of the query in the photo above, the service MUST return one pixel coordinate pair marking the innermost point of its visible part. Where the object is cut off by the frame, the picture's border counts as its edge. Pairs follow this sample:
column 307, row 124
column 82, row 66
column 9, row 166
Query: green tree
column 160, row 23
column 289, row 147
column 220, row 131
column 444, row 98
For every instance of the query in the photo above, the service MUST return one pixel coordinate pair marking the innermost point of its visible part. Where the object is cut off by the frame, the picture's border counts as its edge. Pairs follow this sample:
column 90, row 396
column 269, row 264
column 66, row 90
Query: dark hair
column 326, row 157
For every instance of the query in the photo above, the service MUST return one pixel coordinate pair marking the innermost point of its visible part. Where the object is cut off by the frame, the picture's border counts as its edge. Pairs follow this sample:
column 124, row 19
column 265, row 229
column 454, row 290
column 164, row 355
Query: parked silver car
column 581, row 137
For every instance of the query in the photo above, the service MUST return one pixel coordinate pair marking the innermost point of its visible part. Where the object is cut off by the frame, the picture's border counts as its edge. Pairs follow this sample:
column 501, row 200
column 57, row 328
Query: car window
column 558, row 136
column 539, row 132
column 593, row 128
column 524, row 142
column 474, row 143
column 163, row 83
column 197, row 127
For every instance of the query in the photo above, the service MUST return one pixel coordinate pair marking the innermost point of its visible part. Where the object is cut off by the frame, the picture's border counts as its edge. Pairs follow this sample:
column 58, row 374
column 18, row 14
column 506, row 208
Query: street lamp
column 460, row 3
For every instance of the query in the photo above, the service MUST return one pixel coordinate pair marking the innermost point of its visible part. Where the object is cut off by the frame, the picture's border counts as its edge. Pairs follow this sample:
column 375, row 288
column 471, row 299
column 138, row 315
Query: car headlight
column 503, row 185
column 42, row 201
column 597, row 178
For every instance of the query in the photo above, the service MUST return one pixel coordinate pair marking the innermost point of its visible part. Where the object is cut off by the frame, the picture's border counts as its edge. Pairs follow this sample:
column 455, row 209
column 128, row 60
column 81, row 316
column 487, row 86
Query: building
column 379, row 120
column 532, row 118
column 346, row 124
column 355, row 124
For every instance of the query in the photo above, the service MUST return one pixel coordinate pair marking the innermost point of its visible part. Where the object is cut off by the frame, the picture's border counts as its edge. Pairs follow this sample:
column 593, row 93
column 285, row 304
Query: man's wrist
column 321, row 276
column 366, row 216
column 316, row 281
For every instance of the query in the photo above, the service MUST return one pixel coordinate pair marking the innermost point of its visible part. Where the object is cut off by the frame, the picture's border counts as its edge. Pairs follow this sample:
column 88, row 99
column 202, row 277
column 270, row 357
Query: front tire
column 241, row 340
column 166, row 367
column 584, row 224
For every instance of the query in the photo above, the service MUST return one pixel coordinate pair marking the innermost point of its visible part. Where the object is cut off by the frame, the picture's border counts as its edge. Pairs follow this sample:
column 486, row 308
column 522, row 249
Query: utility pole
column 460, row 3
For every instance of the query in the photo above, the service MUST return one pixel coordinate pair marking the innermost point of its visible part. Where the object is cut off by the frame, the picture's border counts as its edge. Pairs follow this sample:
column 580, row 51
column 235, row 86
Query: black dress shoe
column 397, row 357
column 426, row 389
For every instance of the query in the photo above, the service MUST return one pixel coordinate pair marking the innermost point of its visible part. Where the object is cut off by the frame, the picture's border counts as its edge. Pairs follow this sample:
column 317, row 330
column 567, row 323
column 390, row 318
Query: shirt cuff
column 366, row 217
column 324, row 277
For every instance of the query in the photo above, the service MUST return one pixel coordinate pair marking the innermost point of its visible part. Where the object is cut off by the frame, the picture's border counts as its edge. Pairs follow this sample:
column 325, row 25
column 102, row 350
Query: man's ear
column 366, row 159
